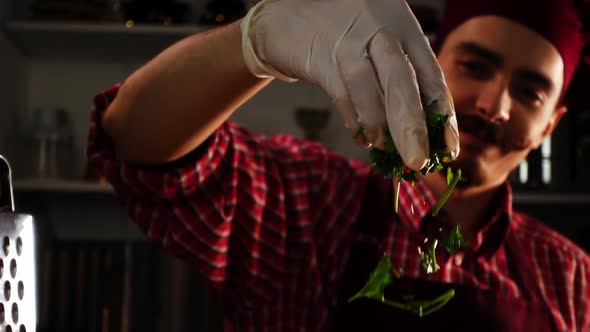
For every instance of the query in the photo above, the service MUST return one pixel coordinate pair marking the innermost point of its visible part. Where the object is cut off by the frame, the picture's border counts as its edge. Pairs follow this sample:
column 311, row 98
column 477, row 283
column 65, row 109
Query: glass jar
column 52, row 142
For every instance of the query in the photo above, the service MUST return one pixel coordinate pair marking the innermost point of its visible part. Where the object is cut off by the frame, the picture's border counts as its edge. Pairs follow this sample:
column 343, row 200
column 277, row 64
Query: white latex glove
column 370, row 56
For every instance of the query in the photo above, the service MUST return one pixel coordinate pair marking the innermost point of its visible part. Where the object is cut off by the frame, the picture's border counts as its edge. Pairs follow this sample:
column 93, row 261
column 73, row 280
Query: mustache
column 500, row 135
column 481, row 128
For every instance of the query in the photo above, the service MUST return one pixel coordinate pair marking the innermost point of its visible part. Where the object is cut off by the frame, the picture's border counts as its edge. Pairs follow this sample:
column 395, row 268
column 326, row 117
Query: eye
column 529, row 96
column 476, row 69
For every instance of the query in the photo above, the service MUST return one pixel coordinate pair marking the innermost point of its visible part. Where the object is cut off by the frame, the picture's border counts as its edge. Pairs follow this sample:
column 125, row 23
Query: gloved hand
column 370, row 56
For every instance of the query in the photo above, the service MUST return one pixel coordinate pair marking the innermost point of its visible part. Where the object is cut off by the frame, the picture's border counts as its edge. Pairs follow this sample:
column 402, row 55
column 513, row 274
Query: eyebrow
column 535, row 78
column 475, row 49
column 497, row 60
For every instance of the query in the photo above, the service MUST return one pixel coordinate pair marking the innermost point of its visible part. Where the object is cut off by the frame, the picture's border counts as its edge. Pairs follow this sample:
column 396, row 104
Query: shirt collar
column 420, row 199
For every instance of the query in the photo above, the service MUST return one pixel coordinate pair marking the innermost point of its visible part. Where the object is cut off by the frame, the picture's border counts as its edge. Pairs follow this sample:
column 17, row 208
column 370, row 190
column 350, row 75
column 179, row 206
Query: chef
column 286, row 230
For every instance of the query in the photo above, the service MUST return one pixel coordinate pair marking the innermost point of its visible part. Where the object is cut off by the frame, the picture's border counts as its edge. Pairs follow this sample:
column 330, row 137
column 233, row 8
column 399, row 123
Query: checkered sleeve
column 249, row 211
column 581, row 291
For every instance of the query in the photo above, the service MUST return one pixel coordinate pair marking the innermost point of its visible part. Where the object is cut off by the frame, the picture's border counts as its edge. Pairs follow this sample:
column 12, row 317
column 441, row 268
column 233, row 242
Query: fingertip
column 362, row 141
column 451, row 134
column 410, row 136
column 416, row 163
column 452, row 137
column 376, row 136
column 414, row 153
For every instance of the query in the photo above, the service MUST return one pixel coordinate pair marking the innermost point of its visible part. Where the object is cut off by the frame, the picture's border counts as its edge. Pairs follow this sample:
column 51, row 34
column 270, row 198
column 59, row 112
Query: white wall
column 72, row 83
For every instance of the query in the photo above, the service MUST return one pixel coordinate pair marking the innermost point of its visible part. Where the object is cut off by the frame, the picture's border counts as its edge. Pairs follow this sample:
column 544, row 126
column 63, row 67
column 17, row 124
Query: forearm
column 174, row 102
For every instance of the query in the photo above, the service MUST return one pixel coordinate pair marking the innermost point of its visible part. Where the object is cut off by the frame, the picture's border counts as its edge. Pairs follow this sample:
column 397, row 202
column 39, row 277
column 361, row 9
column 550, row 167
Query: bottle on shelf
column 52, row 140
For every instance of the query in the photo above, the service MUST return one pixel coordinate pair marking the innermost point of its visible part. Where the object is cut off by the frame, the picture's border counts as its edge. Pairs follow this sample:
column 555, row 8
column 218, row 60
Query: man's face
column 505, row 81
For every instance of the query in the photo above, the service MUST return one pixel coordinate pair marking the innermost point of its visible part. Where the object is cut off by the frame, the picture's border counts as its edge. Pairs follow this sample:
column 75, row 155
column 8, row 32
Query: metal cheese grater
column 18, row 311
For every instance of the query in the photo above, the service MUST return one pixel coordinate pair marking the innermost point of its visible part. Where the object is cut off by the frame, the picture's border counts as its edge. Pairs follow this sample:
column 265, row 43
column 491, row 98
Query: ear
column 556, row 116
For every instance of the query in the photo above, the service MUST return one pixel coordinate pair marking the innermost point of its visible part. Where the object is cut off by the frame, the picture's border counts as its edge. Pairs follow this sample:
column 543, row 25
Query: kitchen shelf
column 85, row 187
column 95, row 40
column 537, row 198
column 61, row 186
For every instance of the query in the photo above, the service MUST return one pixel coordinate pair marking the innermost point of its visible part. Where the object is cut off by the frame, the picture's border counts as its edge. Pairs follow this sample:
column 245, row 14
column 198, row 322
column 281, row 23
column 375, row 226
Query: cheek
column 521, row 132
column 515, row 135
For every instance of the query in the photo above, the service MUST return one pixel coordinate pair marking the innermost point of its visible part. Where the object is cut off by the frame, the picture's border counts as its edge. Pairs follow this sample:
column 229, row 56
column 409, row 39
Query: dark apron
column 471, row 309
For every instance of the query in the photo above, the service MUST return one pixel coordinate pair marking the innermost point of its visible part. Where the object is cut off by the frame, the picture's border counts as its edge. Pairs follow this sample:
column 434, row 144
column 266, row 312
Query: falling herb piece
column 450, row 175
column 381, row 277
column 454, row 241
column 424, row 308
column 389, row 163
column 428, row 257
column 452, row 181
column 378, row 280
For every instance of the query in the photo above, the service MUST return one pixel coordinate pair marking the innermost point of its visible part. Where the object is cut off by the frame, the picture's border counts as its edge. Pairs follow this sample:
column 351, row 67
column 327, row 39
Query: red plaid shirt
column 269, row 221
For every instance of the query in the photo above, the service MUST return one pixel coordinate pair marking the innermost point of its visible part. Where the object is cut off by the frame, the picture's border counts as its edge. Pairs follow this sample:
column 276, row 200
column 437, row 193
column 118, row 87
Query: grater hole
column 1, row 313
column 7, row 290
column 1, row 268
column 15, row 313
column 19, row 246
column 21, row 290
column 6, row 246
column 8, row 328
column 22, row 329
column 13, row 268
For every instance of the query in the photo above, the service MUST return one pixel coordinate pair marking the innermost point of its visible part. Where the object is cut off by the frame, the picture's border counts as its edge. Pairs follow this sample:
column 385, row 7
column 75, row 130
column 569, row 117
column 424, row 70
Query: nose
column 494, row 101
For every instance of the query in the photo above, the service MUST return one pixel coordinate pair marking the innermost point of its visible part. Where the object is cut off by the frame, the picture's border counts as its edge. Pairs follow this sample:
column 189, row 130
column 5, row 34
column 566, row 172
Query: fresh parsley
column 454, row 241
column 389, row 163
column 381, row 277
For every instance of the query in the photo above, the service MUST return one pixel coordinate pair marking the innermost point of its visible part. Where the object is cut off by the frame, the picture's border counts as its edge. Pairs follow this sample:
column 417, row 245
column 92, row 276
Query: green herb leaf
column 454, row 241
column 378, row 280
column 389, row 163
column 423, row 308
column 449, row 175
column 454, row 180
